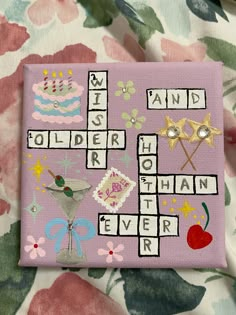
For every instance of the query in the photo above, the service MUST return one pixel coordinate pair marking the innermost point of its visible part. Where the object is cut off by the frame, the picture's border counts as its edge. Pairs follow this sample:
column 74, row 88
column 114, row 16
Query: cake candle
column 45, row 73
column 70, row 79
column 61, row 81
column 54, row 87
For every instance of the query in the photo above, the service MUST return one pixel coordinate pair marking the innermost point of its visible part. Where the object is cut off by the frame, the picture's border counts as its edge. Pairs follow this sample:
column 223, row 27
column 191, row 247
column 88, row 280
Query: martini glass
column 69, row 205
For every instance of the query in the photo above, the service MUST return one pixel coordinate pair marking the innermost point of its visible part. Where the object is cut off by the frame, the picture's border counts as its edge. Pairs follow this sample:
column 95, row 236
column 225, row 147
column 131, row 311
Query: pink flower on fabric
column 130, row 51
column 230, row 143
column 34, row 248
column 13, row 35
column 111, row 252
column 43, row 11
column 176, row 52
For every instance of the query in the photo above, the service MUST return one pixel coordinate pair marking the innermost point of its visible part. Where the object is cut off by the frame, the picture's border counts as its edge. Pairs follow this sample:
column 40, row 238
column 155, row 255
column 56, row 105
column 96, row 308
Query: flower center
column 110, row 252
column 203, row 132
column 36, row 246
column 133, row 120
column 173, row 132
column 124, row 90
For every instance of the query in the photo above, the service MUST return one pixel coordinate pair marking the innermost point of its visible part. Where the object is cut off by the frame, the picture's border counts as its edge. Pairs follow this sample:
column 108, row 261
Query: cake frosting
column 57, row 106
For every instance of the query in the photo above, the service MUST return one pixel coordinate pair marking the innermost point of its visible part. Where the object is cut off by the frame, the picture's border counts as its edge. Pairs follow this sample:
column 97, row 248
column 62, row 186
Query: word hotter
column 176, row 98
column 97, row 139
column 149, row 225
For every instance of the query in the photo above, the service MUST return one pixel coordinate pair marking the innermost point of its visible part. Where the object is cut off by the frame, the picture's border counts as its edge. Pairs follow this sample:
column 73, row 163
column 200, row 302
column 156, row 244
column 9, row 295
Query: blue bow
column 59, row 235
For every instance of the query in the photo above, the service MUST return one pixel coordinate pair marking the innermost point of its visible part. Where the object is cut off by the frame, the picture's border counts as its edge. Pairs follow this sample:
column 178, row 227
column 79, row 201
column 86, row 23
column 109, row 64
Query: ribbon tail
column 59, row 235
column 91, row 232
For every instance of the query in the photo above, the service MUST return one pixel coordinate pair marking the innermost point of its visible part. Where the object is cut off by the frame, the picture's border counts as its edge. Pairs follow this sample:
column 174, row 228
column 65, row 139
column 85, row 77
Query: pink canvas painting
column 122, row 165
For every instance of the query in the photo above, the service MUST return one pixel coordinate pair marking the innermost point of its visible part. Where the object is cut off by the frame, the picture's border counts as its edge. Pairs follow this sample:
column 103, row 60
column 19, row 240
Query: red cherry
column 58, row 177
column 110, row 252
column 36, row 246
column 66, row 188
column 198, row 238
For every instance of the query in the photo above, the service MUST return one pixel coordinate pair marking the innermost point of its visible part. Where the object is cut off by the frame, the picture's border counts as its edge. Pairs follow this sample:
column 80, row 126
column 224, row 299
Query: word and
column 176, row 98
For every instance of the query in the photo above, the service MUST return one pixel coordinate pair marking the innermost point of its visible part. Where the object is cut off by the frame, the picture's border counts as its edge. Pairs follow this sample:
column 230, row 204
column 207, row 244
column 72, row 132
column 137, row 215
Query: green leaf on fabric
column 149, row 290
column 205, row 269
column 127, row 10
column 212, row 278
column 72, row 269
column 150, row 26
column 228, row 82
column 15, row 10
column 220, row 50
column 96, row 273
column 207, row 9
column 227, row 196
column 99, row 13
column 230, row 90
column 15, row 282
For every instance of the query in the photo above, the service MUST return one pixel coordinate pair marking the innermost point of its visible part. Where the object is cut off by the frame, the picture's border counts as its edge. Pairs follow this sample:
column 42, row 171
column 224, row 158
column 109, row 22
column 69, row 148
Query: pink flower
column 176, row 52
column 131, row 51
column 43, row 11
column 111, row 252
column 4, row 207
column 34, row 248
column 230, row 143
column 60, row 298
column 116, row 187
column 12, row 34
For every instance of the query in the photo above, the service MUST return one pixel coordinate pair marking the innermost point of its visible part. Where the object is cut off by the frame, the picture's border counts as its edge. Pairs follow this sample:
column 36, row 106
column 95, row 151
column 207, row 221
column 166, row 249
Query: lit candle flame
column 60, row 74
column 70, row 72
column 54, row 74
column 45, row 72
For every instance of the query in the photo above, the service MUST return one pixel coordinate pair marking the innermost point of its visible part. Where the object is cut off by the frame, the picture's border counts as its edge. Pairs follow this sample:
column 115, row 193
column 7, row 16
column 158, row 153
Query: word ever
column 97, row 139
column 149, row 225
column 176, row 98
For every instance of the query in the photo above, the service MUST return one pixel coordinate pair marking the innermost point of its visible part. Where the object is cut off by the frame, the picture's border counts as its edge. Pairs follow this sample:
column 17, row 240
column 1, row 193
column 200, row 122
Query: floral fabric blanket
column 68, row 31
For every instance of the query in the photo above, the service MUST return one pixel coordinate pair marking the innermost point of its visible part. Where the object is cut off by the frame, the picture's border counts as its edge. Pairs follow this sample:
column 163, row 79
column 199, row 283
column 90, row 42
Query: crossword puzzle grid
column 148, row 224
column 97, row 140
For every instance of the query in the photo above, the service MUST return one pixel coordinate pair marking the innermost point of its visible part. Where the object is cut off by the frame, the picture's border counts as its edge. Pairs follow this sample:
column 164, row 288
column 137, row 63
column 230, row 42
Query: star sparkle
column 38, row 168
column 34, row 208
column 179, row 125
column 205, row 123
column 66, row 163
column 126, row 159
column 186, row 208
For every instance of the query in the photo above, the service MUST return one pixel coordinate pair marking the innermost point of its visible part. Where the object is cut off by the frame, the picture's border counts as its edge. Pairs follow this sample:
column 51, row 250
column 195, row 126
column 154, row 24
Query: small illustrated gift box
column 122, row 165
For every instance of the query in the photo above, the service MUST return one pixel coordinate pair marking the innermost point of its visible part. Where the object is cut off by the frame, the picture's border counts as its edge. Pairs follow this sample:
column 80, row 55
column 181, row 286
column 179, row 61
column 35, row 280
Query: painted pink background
column 174, row 251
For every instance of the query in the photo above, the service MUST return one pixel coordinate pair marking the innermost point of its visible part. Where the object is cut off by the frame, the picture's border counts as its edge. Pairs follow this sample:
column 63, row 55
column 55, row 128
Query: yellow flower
column 125, row 89
column 133, row 120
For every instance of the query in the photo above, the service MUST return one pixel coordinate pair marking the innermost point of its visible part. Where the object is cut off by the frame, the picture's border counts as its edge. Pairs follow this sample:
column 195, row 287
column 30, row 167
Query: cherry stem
column 207, row 213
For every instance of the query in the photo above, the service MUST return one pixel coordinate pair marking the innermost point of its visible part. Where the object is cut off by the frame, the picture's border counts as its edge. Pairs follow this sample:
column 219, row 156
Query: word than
column 176, row 98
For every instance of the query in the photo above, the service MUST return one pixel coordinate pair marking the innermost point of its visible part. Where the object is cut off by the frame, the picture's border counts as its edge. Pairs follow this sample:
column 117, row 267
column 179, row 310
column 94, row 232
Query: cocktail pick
column 202, row 131
column 60, row 182
column 174, row 132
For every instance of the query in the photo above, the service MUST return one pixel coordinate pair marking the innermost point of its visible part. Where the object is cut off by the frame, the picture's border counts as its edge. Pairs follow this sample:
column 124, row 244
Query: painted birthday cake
column 57, row 100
